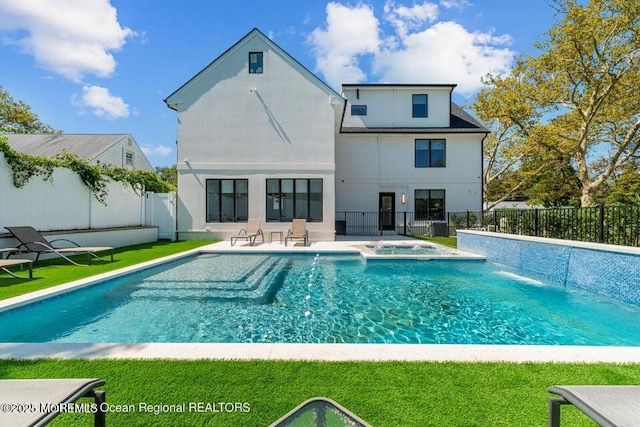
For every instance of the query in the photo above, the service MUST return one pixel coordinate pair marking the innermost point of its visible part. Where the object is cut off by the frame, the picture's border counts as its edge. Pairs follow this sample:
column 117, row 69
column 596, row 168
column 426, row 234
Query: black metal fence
column 386, row 223
column 617, row 225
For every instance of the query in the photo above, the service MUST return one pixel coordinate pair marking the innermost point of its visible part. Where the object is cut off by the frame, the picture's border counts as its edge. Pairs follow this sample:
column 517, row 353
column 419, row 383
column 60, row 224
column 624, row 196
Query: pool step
column 259, row 286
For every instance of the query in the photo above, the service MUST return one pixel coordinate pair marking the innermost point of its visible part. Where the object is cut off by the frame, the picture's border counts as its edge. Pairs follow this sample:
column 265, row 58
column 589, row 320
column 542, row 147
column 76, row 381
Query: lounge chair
column 606, row 405
column 298, row 231
column 32, row 241
column 4, row 263
column 250, row 232
column 37, row 402
column 318, row 412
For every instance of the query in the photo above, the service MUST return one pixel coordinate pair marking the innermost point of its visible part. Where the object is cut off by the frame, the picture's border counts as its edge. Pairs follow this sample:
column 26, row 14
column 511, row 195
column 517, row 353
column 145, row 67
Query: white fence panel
column 64, row 203
column 161, row 213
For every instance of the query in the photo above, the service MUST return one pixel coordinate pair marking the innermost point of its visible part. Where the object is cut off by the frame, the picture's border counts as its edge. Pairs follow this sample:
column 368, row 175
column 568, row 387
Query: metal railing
column 617, row 225
column 384, row 223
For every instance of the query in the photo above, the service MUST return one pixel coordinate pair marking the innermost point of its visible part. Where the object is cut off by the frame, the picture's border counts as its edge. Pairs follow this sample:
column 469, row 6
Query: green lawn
column 382, row 393
column 57, row 271
column 445, row 241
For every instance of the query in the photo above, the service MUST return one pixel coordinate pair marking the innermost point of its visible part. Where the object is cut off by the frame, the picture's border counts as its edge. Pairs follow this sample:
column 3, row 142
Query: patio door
column 387, row 209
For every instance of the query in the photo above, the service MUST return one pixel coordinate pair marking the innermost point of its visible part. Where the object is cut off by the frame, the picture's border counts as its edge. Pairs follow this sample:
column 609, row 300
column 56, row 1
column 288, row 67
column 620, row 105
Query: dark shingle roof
column 460, row 122
column 86, row 146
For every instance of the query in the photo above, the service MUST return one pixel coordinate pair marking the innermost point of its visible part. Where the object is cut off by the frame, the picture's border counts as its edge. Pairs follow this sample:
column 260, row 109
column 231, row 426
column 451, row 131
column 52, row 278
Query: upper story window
column 419, row 108
column 430, row 153
column 358, row 110
column 255, row 62
column 128, row 158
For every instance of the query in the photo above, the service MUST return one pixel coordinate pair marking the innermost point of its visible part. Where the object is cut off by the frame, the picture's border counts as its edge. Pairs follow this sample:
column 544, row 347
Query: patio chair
column 298, row 231
column 32, row 241
column 4, row 263
column 608, row 406
column 250, row 232
column 37, row 402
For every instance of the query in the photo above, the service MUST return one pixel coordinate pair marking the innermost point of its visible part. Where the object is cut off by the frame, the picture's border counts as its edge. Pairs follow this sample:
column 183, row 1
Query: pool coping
column 291, row 351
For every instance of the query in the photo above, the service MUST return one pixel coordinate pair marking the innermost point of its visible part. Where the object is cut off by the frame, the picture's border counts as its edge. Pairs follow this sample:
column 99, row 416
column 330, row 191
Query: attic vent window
column 358, row 110
column 255, row 62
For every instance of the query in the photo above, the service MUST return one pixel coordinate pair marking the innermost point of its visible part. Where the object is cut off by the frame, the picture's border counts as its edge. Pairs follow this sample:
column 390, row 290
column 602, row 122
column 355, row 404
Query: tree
column 577, row 100
column 16, row 117
column 168, row 175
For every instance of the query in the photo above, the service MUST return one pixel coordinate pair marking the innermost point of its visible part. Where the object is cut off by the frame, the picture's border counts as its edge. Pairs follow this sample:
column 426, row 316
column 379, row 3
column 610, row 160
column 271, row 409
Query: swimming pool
column 264, row 298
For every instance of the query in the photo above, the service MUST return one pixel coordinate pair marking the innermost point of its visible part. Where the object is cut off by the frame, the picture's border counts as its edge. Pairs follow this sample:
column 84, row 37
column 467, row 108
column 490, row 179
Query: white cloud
column 68, row 37
column 350, row 33
column 405, row 18
column 420, row 49
column 445, row 53
column 156, row 150
column 101, row 102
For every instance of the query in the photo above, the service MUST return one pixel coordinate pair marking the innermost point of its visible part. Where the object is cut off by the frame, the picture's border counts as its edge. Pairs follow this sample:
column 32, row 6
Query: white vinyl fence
column 65, row 203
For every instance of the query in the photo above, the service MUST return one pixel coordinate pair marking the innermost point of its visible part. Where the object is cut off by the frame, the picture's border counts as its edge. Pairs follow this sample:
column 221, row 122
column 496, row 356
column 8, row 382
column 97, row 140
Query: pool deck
column 322, row 352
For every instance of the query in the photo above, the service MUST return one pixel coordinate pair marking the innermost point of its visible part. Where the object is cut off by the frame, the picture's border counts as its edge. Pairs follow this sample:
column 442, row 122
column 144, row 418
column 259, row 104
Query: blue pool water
column 325, row 299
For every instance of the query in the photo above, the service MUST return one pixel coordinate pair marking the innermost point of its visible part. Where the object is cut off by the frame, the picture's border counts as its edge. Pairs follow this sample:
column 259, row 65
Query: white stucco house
column 259, row 135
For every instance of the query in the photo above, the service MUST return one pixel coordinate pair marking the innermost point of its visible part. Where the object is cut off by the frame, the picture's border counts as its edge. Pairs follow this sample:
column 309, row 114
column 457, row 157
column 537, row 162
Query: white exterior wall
column 115, row 155
column 232, row 124
column 369, row 164
column 65, row 203
column 392, row 106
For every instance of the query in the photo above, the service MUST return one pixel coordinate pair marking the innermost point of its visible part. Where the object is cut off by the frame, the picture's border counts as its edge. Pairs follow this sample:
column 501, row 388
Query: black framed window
column 358, row 110
column 430, row 153
column 255, row 63
column 429, row 205
column 294, row 198
column 419, row 105
column 227, row 200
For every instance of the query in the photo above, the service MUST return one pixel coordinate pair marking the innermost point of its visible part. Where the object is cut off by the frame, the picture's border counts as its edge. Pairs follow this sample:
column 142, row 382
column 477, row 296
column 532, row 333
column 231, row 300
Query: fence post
column 468, row 221
column 495, row 220
column 601, row 223
column 535, row 222
column 405, row 223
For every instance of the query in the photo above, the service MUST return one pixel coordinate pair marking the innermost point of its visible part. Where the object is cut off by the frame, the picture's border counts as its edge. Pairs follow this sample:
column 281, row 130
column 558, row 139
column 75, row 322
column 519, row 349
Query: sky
column 106, row 66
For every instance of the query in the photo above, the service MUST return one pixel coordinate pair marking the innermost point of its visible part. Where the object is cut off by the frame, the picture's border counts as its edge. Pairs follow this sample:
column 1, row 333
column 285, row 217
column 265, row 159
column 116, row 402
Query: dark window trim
column 358, row 110
column 294, row 198
column 426, row 105
column 261, row 70
column 424, row 215
column 430, row 162
column 235, row 199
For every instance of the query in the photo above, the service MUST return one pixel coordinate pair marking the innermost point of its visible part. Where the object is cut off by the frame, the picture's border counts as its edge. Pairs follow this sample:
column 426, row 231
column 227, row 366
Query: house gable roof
column 86, row 146
column 173, row 100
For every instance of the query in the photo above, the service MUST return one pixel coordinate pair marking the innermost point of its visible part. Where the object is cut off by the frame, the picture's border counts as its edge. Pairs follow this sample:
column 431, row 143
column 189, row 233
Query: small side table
column 272, row 233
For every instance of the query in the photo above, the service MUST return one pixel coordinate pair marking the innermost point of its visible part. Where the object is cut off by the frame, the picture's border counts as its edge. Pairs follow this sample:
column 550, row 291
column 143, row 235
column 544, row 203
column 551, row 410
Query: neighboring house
column 99, row 149
column 259, row 135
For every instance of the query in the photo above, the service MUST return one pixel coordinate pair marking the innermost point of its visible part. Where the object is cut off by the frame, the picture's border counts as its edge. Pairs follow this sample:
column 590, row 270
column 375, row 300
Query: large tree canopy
column 574, row 109
column 16, row 117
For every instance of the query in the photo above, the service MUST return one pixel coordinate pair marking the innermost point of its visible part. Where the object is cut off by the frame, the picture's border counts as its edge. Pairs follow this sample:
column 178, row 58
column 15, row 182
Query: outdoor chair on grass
column 298, row 232
column 609, row 406
column 250, row 232
column 37, row 402
column 4, row 263
column 32, row 241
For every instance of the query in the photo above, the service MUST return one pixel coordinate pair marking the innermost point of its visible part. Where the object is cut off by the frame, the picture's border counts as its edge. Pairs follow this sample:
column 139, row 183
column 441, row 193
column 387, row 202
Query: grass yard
column 452, row 242
column 57, row 271
column 382, row 393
